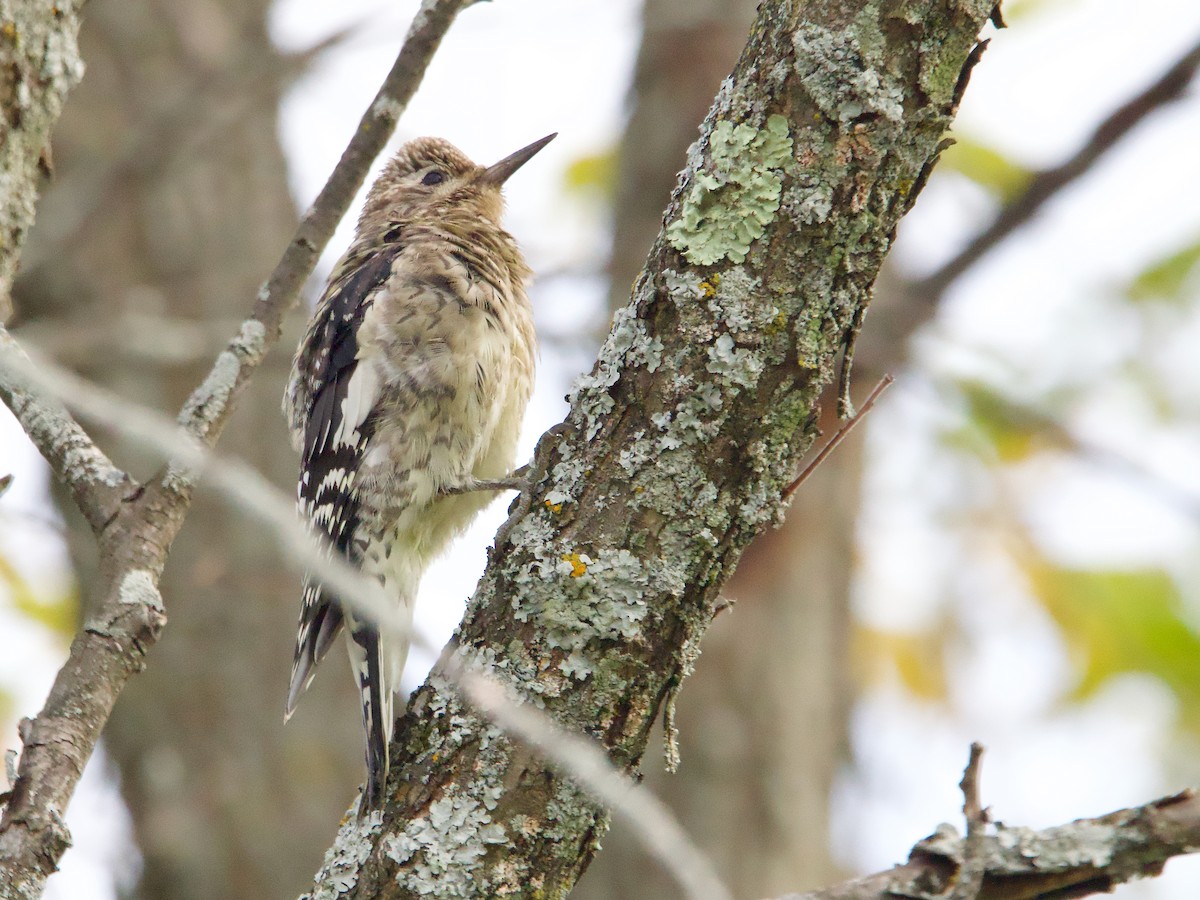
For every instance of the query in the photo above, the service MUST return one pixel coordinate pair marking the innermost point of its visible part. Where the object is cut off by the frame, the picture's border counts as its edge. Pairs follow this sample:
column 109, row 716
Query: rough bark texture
column 1080, row 859
column 170, row 203
column 762, row 723
column 39, row 63
column 678, row 445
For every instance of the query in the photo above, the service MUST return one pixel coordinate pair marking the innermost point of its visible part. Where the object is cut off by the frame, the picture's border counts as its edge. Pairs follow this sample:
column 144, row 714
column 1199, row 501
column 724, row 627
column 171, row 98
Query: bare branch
column 129, row 615
column 1048, row 184
column 96, row 485
column 844, row 429
column 209, row 407
column 1085, row 857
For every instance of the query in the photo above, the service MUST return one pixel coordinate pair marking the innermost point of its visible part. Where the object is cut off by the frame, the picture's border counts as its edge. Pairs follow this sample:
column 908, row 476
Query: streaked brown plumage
column 409, row 384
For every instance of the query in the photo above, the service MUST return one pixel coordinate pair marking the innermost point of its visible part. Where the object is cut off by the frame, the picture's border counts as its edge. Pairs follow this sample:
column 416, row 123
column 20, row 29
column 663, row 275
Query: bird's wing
column 331, row 402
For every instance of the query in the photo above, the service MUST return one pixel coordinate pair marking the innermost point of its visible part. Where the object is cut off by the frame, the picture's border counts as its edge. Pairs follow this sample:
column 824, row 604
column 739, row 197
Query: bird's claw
column 517, row 481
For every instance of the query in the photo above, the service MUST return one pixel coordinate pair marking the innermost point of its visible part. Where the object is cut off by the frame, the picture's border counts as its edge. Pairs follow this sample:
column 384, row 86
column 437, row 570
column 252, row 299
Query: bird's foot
column 516, row 481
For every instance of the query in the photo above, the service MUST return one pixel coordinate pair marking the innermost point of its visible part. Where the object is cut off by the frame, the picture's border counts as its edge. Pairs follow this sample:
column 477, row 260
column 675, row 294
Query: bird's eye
column 432, row 178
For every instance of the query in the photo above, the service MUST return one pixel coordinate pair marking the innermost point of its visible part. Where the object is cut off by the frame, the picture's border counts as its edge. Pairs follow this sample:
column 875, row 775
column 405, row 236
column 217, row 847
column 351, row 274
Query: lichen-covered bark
column 39, row 62
column 678, row 444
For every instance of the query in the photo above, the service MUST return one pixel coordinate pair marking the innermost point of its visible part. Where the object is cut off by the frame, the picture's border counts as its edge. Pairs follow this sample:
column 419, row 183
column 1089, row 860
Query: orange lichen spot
column 554, row 507
column 709, row 288
column 578, row 567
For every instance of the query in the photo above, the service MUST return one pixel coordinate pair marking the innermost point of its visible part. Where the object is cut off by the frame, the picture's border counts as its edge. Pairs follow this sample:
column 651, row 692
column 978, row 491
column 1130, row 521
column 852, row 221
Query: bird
column 405, row 402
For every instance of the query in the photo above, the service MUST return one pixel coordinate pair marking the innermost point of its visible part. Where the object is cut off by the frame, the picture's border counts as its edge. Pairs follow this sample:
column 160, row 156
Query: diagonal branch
column 128, row 616
column 97, row 486
column 209, row 406
column 1046, row 185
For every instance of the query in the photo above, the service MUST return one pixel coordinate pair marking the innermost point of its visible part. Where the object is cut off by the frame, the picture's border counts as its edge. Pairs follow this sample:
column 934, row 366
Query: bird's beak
column 501, row 171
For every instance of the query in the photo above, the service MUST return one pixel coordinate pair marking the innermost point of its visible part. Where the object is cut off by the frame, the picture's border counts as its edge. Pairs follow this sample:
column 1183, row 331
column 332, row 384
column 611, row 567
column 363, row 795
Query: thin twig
column 842, row 431
column 200, row 415
column 974, row 863
column 1049, row 183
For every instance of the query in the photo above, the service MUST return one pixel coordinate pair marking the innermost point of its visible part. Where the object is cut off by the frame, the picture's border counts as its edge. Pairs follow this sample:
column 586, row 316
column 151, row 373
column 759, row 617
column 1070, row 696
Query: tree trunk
column 763, row 720
column 678, row 447
column 169, row 207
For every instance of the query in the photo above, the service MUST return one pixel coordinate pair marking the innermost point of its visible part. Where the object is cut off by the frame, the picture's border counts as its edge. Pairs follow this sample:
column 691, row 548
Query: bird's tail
column 320, row 621
column 378, row 661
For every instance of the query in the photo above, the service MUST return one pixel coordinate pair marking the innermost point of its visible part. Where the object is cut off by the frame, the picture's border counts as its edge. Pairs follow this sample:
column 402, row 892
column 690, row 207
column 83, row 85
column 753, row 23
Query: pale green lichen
column 683, row 287
column 138, row 588
column 638, row 453
column 568, row 806
column 441, row 852
column 597, row 596
column 628, row 345
column 694, row 419
column 736, row 301
column 809, row 201
column 740, row 366
column 824, row 58
column 339, row 871
column 731, row 202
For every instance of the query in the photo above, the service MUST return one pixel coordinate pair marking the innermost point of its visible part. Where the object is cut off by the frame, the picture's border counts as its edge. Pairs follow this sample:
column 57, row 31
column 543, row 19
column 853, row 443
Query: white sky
column 1036, row 309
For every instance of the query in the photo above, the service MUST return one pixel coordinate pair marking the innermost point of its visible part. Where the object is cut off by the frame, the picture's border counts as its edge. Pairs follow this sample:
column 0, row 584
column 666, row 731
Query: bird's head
column 430, row 178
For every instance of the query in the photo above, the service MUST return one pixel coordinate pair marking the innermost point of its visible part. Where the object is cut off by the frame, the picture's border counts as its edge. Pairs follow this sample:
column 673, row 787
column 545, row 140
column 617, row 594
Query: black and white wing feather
column 330, row 404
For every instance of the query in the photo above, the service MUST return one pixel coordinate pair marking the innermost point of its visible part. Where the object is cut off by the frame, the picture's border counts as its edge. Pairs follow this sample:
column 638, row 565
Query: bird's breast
column 455, row 361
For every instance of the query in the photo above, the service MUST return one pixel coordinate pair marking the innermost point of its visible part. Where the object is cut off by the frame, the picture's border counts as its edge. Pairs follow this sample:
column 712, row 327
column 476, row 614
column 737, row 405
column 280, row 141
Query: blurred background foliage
column 1008, row 555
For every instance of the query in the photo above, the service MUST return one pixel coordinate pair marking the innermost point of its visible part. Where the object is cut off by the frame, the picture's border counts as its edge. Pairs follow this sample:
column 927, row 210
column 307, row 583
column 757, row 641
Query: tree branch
column 1087, row 856
column 207, row 410
column 39, row 56
column 1048, row 184
column 96, row 486
column 128, row 617
column 678, row 446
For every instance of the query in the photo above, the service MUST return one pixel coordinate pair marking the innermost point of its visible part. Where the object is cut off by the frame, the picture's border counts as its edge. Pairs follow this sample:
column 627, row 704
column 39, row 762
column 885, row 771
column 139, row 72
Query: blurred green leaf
column 1116, row 622
column 1166, row 278
column 594, row 175
column 1010, row 431
column 987, row 167
column 917, row 659
column 59, row 614
column 1019, row 10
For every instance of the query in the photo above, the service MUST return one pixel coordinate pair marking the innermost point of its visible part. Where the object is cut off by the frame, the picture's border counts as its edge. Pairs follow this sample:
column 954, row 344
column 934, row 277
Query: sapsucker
column 407, row 390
